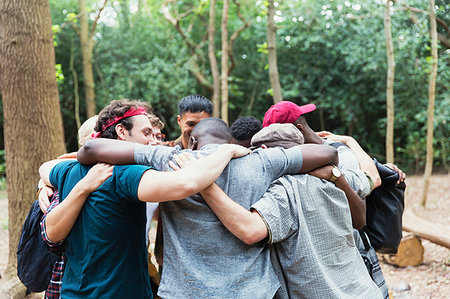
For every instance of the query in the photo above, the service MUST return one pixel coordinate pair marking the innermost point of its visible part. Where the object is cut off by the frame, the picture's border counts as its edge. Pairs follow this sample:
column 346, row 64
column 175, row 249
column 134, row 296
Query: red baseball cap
column 285, row 112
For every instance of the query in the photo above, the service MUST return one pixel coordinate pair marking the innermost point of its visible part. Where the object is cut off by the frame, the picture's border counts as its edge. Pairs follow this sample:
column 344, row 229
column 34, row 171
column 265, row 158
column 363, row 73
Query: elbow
column 250, row 238
column 360, row 222
column 85, row 152
column 52, row 236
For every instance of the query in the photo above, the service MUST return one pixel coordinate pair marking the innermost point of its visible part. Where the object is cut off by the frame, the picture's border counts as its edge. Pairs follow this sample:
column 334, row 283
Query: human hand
column 339, row 138
column 72, row 155
column 402, row 175
column 237, row 150
column 323, row 172
column 181, row 160
column 45, row 193
column 96, row 176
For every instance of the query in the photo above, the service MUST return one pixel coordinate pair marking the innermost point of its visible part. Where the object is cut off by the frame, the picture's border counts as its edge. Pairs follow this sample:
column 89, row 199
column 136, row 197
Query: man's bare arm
column 60, row 220
column 315, row 155
column 366, row 163
column 110, row 151
column 158, row 186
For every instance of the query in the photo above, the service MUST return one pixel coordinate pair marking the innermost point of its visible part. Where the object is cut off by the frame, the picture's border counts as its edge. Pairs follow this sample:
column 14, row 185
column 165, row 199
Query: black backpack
column 34, row 260
column 385, row 206
column 384, row 210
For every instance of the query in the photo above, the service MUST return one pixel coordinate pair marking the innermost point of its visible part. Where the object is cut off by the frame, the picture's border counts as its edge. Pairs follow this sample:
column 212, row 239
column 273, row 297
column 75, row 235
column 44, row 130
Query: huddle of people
column 275, row 214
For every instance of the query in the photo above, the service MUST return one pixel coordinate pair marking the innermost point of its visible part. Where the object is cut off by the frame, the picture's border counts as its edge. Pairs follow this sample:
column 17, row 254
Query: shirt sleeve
column 54, row 246
column 59, row 171
column 276, row 210
column 280, row 161
column 151, row 155
column 128, row 178
column 358, row 181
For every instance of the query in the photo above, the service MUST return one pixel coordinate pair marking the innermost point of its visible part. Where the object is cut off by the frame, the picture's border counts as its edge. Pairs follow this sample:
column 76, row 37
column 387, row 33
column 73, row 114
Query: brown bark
column 272, row 49
column 224, row 64
column 212, row 58
column 410, row 253
column 32, row 119
column 389, row 86
column 431, row 100
column 87, row 45
column 192, row 46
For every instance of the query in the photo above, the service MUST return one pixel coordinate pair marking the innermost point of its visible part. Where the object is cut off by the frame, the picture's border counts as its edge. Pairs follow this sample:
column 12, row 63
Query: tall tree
column 87, row 46
column 272, row 53
column 224, row 64
column 212, row 58
column 32, row 119
column 389, row 85
column 431, row 100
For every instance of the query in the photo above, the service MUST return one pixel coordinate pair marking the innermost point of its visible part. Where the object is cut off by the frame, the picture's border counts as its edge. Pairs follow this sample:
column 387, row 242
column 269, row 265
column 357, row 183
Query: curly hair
column 118, row 108
column 245, row 127
column 156, row 122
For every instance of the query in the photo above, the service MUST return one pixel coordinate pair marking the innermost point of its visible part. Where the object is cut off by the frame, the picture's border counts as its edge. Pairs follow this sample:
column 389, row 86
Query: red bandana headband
column 131, row 112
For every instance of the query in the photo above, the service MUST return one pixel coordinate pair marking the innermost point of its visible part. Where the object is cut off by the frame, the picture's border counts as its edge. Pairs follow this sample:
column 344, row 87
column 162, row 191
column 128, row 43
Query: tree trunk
column 32, row 121
column 434, row 232
column 431, row 99
column 212, row 58
column 389, row 86
column 86, row 51
column 224, row 76
column 272, row 48
column 410, row 252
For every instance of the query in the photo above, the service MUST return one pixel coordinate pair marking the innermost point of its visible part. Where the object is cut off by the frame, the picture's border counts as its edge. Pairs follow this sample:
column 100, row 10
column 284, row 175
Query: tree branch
column 94, row 25
column 235, row 35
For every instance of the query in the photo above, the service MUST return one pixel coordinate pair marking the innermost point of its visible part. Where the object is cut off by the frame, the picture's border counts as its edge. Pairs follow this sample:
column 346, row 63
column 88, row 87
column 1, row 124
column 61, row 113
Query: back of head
column 212, row 130
column 118, row 110
column 245, row 127
column 283, row 135
column 286, row 112
column 86, row 130
column 194, row 104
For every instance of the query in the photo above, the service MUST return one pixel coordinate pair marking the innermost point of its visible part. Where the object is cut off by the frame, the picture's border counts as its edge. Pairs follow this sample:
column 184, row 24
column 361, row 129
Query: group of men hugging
column 261, row 210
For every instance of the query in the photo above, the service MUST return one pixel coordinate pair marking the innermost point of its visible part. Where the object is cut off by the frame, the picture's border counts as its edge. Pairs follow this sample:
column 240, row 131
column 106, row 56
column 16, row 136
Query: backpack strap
column 364, row 239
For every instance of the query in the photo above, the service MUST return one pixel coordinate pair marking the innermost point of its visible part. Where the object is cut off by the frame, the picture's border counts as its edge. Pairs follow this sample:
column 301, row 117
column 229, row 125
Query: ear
column 121, row 132
column 300, row 127
column 179, row 120
column 193, row 143
column 263, row 146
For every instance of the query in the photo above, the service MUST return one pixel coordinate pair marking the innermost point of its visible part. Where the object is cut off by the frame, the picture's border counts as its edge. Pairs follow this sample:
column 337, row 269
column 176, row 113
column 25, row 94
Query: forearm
column 61, row 219
column 357, row 204
column 46, row 168
column 245, row 225
column 315, row 156
column 167, row 186
column 366, row 163
column 106, row 150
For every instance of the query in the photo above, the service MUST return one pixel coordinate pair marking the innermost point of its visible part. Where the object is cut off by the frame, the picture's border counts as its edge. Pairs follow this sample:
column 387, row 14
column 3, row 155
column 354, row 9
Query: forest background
column 331, row 53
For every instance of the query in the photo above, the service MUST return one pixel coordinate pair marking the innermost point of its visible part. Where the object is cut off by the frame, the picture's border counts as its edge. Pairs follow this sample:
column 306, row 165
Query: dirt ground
column 429, row 280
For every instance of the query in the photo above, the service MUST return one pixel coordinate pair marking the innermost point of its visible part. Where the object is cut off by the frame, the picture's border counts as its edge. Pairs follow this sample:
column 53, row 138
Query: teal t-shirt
column 106, row 249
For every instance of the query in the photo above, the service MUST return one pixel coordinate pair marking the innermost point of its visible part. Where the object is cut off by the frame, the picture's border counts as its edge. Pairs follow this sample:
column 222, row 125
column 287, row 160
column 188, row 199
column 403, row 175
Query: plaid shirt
column 54, row 287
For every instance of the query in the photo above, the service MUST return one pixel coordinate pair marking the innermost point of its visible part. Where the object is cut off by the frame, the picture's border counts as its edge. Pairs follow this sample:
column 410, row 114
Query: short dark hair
column 195, row 103
column 118, row 108
column 245, row 127
column 214, row 127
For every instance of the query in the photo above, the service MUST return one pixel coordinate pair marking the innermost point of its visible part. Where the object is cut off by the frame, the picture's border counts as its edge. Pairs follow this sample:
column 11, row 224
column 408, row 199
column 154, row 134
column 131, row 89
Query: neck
column 312, row 137
column 211, row 140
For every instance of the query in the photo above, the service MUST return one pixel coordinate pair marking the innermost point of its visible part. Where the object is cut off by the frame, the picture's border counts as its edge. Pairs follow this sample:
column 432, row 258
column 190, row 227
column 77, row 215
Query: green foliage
column 331, row 53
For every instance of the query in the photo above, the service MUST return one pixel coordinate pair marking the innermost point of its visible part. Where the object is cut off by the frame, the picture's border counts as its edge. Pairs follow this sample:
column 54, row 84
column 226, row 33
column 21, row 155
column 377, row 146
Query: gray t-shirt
column 202, row 259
